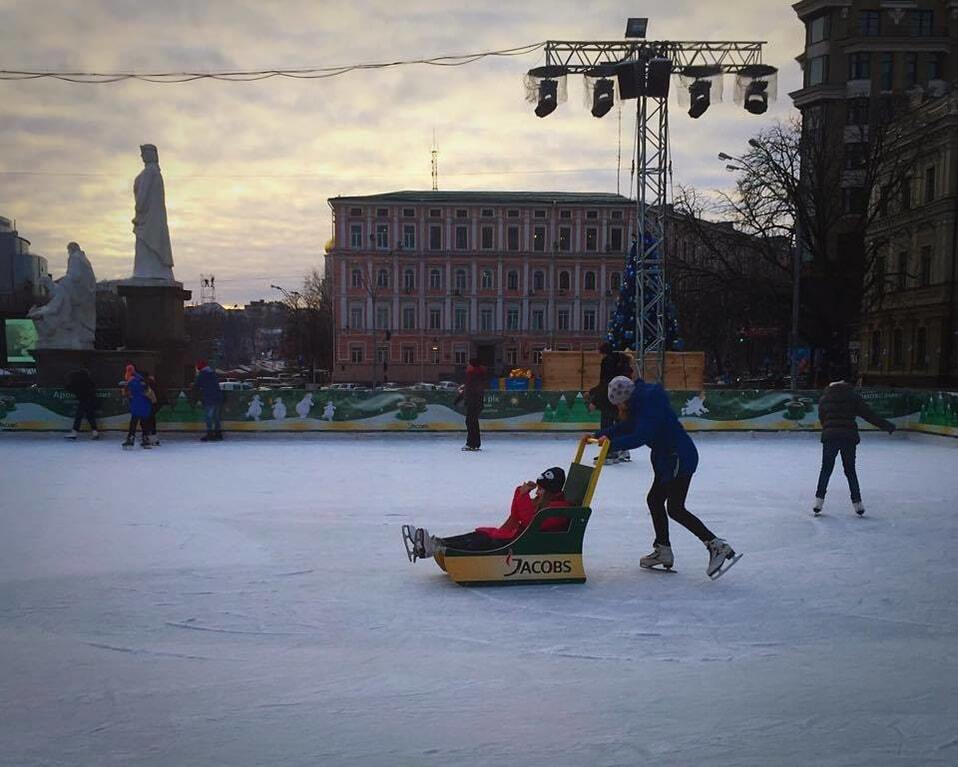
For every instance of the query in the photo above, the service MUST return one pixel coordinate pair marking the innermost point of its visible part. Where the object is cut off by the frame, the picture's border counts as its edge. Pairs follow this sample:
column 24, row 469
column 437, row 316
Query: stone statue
column 68, row 319
column 154, row 254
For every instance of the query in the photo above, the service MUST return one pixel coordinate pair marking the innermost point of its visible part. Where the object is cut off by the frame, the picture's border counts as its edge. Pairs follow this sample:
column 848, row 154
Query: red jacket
column 522, row 513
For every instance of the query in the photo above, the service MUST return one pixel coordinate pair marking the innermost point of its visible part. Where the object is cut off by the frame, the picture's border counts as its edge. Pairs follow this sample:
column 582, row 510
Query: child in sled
column 421, row 545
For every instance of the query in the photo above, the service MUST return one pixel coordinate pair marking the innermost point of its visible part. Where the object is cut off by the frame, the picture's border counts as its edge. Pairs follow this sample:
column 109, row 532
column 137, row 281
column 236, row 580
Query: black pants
column 473, row 438
column 149, row 423
column 86, row 408
column 830, row 451
column 135, row 421
column 474, row 541
column 667, row 499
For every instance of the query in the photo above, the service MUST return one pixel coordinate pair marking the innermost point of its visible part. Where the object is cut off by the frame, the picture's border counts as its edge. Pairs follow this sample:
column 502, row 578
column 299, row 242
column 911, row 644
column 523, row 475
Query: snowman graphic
column 696, row 405
column 304, row 405
column 279, row 409
column 329, row 411
column 255, row 409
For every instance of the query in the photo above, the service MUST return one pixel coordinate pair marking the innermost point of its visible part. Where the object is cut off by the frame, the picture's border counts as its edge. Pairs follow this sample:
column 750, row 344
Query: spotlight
column 603, row 97
column 704, row 84
column 756, row 85
column 699, row 92
column 756, row 97
column 548, row 93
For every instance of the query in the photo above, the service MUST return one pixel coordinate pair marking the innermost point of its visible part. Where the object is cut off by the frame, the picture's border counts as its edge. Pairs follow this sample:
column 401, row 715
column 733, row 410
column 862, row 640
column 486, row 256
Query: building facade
column 423, row 281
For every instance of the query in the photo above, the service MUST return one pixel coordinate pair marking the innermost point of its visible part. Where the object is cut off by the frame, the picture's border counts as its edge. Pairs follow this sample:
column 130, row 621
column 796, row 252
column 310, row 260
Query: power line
column 315, row 73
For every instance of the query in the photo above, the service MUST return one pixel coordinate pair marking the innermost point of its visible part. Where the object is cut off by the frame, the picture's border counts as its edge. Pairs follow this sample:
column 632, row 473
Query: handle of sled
column 588, row 439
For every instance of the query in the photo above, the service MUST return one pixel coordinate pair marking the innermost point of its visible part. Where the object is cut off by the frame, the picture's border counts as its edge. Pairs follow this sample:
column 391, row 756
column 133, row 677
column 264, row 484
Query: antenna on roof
column 435, row 162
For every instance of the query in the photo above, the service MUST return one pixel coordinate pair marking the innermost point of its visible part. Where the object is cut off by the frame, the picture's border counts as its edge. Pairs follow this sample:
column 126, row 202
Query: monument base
column 154, row 313
column 106, row 366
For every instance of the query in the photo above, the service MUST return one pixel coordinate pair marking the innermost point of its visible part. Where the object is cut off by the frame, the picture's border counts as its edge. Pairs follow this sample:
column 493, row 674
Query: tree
column 308, row 333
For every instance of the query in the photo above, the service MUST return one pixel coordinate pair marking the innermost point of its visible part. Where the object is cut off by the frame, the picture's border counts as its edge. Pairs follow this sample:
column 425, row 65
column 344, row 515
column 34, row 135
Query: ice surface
column 250, row 603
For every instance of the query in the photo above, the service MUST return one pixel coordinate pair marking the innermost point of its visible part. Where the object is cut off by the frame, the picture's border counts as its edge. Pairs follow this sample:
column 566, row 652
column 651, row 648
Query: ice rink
column 250, row 603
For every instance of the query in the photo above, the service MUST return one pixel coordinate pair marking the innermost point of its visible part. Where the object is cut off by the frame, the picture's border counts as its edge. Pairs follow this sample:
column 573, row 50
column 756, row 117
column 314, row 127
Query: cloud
column 249, row 166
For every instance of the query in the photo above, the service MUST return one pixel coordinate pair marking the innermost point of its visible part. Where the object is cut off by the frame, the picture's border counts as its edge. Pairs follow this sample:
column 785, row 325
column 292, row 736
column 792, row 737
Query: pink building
column 422, row 281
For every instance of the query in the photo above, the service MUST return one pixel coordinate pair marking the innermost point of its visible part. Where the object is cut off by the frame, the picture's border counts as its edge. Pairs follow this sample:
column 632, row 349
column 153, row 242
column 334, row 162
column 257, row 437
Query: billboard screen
column 21, row 339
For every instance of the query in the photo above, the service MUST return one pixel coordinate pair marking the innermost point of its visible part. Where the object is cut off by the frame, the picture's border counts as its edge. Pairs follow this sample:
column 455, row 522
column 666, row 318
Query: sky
column 248, row 167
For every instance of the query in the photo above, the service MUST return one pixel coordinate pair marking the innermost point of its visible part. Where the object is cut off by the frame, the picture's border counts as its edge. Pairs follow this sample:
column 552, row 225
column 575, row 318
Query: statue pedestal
column 106, row 366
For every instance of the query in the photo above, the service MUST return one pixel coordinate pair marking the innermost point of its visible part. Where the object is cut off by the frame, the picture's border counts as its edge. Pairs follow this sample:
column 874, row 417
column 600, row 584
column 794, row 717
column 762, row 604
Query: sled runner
column 536, row 556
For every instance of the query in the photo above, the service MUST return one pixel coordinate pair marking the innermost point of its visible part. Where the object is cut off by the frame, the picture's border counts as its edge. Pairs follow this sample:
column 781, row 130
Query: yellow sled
column 536, row 556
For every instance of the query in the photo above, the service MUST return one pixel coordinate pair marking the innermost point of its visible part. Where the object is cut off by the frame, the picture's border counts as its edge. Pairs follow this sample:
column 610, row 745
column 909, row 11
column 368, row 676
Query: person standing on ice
column 138, row 393
column 80, row 384
column 207, row 385
column 838, row 408
column 472, row 392
column 648, row 419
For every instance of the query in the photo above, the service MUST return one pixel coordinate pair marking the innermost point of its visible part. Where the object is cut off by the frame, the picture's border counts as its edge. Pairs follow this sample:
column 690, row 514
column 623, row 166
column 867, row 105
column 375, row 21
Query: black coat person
column 81, row 385
column 472, row 392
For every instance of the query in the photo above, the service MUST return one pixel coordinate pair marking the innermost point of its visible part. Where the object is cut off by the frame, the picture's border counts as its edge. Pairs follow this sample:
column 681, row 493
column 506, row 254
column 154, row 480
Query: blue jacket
column 140, row 405
column 653, row 422
column 208, row 385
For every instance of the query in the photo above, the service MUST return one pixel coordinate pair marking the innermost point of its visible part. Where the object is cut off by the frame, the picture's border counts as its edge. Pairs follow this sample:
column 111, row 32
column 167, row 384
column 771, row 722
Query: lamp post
column 292, row 298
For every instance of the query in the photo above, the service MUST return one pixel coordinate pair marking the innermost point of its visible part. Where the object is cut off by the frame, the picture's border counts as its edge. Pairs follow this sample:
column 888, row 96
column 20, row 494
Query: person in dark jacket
column 207, row 386
column 136, row 391
column 472, row 392
column 613, row 364
column 159, row 400
column 838, row 409
column 80, row 384
column 650, row 420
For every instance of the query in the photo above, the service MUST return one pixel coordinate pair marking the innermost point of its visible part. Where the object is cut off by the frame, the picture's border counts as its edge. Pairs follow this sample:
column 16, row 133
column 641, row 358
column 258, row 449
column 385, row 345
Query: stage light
column 603, row 97
column 545, row 87
column 756, row 97
column 699, row 93
column 548, row 90
column 755, row 87
column 704, row 85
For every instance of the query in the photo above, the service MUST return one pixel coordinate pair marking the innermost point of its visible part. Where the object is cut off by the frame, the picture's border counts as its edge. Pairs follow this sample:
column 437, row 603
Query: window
column 817, row 70
column 409, row 212
column 356, row 318
column 459, row 355
column 562, row 319
column 817, row 29
column 565, row 238
column 461, row 318
column 564, row 280
column 382, row 318
column 487, row 213
column 512, row 213
column 897, row 348
column 355, row 211
column 512, row 239
column 409, row 236
column 409, row 318
column 589, row 281
column 856, row 112
column 902, row 270
column 565, row 214
column 921, row 23
column 537, row 356
column 486, row 281
column 356, row 278
column 512, row 281
column 512, row 318
column 539, row 214
column 906, row 193
column 485, row 320
column 929, row 184
column 435, row 319
column 859, row 66
column 435, row 213
column 886, row 71
column 460, row 213
column 924, row 274
column 408, row 354
column 614, row 281
column 880, row 274
column 382, row 354
column 512, row 357
column 538, row 319
column 461, row 280
column 616, row 215
column 355, row 353
column 382, row 278
column 435, row 279
column 874, row 358
column 435, row 237
column 462, row 238
column 382, row 212
column 869, row 23
column 538, row 280
column 854, row 200
column 615, row 239
column 591, row 239
column 935, row 65
column 382, row 236
column 409, row 279
column 355, row 235
column 911, row 69
column 588, row 319
column 592, row 215
column 921, row 349
column 854, row 156
column 539, row 238
column 487, row 241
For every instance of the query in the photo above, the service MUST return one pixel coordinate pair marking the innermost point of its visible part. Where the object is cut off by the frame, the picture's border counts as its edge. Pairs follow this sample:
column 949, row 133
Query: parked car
column 423, row 386
column 230, row 385
column 447, row 386
column 345, row 387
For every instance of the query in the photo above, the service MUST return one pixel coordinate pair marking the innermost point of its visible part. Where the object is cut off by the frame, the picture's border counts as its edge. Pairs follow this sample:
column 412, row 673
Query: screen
column 21, row 340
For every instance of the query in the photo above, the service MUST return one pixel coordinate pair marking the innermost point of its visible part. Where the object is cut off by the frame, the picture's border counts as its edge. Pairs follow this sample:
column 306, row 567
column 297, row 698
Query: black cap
column 552, row 479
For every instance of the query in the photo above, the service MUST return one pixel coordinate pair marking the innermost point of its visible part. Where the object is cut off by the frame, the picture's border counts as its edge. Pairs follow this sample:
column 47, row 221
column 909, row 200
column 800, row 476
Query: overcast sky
column 249, row 166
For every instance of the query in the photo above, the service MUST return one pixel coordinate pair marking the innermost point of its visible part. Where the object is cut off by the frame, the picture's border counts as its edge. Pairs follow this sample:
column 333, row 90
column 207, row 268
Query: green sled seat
column 536, row 556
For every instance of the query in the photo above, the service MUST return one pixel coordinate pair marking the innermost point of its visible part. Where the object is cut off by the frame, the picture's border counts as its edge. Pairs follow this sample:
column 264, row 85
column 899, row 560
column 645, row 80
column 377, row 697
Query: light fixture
column 755, row 87
column 548, row 92
column 756, row 97
column 600, row 89
column 636, row 27
column 703, row 83
column 545, row 87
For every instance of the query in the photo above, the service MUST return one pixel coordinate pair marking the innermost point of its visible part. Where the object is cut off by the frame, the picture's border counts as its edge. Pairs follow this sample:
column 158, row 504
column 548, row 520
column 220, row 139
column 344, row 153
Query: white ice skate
column 817, row 508
column 721, row 558
column 661, row 556
column 94, row 434
column 468, row 449
column 425, row 543
column 72, row 435
column 409, row 541
column 859, row 508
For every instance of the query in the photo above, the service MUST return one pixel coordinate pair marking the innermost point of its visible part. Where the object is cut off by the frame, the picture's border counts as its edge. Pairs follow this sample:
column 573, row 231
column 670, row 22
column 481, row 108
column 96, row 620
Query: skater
column 207, row 386
column 648, row 419
column 80, row 384
column 159, row 401
column 838, row 408
column 613, row 364
column 472, row 392
column 137, row 392
column 420, row 545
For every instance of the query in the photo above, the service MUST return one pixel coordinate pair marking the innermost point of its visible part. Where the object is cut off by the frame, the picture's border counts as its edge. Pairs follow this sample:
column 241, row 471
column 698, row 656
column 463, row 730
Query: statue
column 68, row 319
column 154, row 254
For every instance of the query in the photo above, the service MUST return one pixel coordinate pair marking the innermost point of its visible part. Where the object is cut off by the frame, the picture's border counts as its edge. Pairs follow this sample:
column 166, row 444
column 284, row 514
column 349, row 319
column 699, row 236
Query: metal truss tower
column 652, row 165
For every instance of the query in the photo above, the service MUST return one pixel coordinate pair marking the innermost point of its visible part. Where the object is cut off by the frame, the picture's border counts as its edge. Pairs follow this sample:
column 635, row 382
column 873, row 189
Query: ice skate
column 145, row 442
column 154, row 441
column 661, row 556
column 127, row 443
column 72, row 435
column 721, row 557
column 409, row 541
column 817, row 507
column 625, row 456
column 425, row 544
column 859, row 508
column 469, row 449
column 94, row 434
column 208, row 437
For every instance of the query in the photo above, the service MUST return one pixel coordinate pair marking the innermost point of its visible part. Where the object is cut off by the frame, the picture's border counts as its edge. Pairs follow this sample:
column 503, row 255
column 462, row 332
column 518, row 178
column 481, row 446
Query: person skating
column 420, row 544
column 137, row 393
column 207, row 386
column 156, row 403
column 613, row 364
column 472, row 391
column 838, row 409
column 648, row 419
column 80, row 384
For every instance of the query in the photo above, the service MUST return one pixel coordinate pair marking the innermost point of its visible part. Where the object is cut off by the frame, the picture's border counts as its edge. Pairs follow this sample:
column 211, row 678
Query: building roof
column 489, row 198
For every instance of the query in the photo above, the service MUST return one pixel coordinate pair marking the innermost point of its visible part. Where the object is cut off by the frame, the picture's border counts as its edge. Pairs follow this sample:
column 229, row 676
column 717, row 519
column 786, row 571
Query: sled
column 536, row 556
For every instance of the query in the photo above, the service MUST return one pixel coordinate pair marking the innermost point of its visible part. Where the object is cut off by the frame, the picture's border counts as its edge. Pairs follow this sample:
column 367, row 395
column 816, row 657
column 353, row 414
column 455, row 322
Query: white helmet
column 620, row 389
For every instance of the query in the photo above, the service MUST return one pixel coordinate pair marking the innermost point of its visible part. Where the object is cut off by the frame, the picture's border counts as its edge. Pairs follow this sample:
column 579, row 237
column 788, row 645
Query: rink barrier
column 34, row 409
